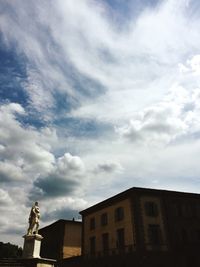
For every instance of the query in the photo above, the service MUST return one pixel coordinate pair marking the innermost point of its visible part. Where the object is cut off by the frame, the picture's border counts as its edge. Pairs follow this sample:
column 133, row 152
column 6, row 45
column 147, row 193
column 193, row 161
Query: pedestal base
column 32, row 244
column 38, row 262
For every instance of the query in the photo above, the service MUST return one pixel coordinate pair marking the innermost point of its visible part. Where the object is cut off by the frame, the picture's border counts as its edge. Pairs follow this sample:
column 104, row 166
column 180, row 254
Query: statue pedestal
column 32, row 244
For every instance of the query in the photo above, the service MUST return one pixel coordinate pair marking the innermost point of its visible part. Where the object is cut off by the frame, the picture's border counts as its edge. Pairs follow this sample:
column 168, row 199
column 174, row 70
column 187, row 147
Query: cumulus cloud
column 66, row 176
column 29, row 169
column 175, row 117
column 10, row 172
column 81, row 65
column 23, row 149
column 164, row 121
column 28, row 161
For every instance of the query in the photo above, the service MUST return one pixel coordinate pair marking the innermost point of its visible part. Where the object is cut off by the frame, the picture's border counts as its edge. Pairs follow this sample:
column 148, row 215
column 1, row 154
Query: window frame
column 92, row 245
column 92, row 223
column 120, row 238
column 105, row 242
column 151, row 209
column 104, row 219
column 119, row 214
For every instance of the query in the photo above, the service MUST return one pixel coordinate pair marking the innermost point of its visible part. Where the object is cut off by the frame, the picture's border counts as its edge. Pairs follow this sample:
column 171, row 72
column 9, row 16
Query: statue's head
column 36, row 203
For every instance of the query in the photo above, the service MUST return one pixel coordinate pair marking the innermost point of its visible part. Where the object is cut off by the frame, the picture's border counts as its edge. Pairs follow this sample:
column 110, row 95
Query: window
column 151, row 209
column 120, row 238
column 155, row 237
column 105, row 242
column 92, row 224
column 92, row 245
column 104, row 219
column 119, row 214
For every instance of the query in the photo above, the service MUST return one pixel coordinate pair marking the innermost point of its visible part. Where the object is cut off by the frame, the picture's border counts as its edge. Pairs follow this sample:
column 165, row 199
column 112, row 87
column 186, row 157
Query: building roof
column 61, row 222
column 135, row 190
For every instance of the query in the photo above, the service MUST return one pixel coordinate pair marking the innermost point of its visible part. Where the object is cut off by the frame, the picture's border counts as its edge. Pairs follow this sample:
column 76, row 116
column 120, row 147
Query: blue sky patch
column 12, row 75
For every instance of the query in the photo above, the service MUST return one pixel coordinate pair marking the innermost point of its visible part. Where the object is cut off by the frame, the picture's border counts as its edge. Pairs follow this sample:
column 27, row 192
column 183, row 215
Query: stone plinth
column 32, row 244
column 40, row 262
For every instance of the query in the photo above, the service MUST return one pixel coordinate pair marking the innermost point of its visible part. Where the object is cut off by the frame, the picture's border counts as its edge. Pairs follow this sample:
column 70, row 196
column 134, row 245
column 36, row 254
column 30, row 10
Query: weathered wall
column 72, row 240
column 110, row 228
column 147, row 220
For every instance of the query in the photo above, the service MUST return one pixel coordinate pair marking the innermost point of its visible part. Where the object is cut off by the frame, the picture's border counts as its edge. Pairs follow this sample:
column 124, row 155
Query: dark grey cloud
column 53, row 186
column 133, row 135
column 14, row 230
column 62, row 180
column 109, row 167
column 61, row 213
column 4, row 177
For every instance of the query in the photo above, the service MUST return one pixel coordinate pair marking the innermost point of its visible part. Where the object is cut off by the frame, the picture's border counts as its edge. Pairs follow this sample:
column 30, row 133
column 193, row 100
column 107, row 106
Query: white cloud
column 192, row 66
column 27, row 153
column 4, row 198
column 176, row 116
column 22, row 146
column 70, row 163
column 128, row 61
column 10, row 172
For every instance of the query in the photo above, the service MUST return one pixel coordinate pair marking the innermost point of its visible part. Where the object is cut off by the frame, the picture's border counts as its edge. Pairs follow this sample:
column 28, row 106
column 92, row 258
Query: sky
column 96, row 96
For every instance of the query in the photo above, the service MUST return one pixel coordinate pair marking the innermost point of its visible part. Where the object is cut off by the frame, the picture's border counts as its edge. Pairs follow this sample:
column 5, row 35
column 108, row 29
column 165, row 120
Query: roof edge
column 135, row 190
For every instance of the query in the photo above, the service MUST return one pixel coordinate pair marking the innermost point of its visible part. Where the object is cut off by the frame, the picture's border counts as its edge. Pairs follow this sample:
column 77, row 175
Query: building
column 61, row 240
column 145, row 227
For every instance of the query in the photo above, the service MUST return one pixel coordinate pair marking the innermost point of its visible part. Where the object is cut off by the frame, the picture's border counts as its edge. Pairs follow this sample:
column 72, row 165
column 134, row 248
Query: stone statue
column 34, row 219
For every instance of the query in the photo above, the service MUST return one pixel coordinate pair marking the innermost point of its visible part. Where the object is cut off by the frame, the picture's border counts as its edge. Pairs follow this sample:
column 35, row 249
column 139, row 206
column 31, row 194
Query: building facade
column 145, row 227
column 61, row 240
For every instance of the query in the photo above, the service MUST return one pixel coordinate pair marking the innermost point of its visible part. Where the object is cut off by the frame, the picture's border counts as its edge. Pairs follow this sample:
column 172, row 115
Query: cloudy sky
column 96, row 96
